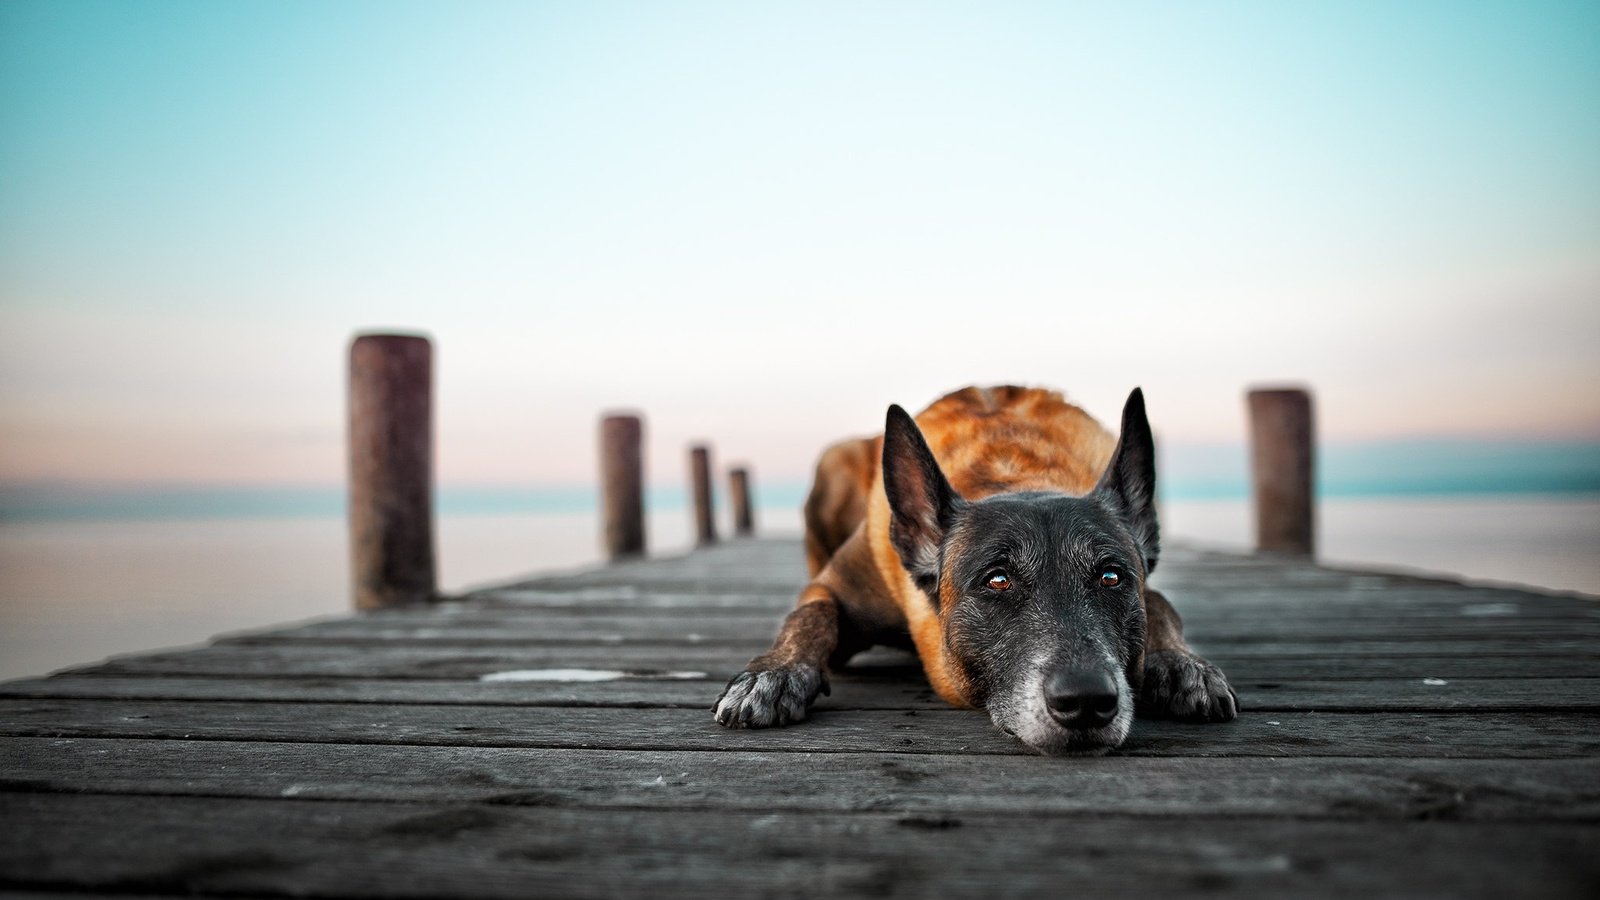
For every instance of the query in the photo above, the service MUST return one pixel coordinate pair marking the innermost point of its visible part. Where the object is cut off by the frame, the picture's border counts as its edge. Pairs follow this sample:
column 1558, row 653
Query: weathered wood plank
column 1196, row 591
column 1371, row 615
column 628, row 787
column 1200, row 591
column 549, row 630
column 1357, row 649
column 890, row 690
column 1418, row 694
column 627, row 596
column 1499, row 623
column 1547, row 790
column 1243, row 662
column 699, row 626
column 79, row 894
column 417, row 850
column 1488, row 735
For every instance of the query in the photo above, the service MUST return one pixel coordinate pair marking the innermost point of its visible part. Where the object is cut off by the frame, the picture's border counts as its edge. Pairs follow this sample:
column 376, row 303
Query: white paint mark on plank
column 584, row 675
column 1435, row 682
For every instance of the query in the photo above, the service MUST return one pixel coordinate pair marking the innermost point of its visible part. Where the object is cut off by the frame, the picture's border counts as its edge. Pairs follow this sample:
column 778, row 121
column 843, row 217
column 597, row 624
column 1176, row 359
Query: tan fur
column 838, row 500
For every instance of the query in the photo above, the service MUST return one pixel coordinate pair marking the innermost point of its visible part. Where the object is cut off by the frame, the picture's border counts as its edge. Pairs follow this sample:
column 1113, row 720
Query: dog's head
column 1040, row 595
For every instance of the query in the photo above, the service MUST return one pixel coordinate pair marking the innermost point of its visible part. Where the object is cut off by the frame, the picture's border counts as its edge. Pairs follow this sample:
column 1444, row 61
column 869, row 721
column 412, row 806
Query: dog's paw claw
column 1186, row 688
column 766, row 697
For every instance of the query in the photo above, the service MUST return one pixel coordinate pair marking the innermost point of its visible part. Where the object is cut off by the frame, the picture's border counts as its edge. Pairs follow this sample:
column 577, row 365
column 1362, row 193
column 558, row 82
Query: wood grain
column 1401, row 736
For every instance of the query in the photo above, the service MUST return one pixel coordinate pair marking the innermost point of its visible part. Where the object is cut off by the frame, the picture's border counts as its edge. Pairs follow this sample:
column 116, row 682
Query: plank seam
column 529, row 745
column 1427, row 815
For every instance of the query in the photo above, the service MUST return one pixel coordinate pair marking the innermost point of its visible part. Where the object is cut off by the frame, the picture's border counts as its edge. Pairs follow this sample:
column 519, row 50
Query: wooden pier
column 1400, row 736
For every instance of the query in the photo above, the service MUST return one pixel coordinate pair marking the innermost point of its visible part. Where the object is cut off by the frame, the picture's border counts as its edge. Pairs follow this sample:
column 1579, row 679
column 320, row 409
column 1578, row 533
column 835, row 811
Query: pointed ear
column 1129, row 482
column 922, row 504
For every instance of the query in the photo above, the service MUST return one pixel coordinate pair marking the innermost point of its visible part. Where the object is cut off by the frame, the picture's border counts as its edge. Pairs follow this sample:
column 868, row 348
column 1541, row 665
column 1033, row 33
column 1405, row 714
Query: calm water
column 77, row 591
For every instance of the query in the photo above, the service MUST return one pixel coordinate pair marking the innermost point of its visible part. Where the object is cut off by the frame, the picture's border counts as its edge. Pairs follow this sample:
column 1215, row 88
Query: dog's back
column 987, row 441
column 1000, row 439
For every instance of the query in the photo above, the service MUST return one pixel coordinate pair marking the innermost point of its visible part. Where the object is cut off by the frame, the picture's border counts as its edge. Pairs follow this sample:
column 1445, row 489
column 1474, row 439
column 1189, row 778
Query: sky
column 760, row 224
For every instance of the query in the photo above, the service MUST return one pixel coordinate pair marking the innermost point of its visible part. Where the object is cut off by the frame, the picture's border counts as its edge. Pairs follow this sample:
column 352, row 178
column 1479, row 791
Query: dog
column 1007, row 538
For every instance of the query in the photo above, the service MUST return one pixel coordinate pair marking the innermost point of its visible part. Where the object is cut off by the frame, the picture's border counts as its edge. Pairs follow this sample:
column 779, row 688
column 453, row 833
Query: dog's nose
column 1082, row 698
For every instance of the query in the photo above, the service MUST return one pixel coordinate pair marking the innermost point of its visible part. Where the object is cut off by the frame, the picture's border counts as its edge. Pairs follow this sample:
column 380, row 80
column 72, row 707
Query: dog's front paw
column 1184, row 687
column 763, row 697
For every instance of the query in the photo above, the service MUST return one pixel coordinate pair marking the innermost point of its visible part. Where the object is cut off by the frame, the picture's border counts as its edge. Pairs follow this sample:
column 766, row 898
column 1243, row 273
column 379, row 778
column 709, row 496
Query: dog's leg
column 777, row 686
column 1178, row 683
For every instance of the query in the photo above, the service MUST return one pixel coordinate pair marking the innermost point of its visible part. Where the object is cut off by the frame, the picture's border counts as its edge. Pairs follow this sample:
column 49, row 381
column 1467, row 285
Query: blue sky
column 761, row 223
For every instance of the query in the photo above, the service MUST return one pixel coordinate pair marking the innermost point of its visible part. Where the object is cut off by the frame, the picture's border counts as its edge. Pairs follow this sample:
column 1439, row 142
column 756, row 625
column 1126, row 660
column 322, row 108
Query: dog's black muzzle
column 1081, row 698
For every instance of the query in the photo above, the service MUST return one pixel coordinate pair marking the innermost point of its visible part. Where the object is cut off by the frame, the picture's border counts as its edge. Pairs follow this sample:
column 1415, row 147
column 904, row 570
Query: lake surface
column 76, row 591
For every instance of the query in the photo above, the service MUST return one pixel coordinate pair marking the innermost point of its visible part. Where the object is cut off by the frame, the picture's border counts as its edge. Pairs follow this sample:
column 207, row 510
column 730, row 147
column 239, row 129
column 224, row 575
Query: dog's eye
column 997, row 580
column 1110, row 579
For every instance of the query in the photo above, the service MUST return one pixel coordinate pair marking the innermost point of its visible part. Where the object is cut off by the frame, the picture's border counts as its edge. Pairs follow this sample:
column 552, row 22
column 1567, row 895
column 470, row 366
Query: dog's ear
column 1129, row 482
column 922, row 504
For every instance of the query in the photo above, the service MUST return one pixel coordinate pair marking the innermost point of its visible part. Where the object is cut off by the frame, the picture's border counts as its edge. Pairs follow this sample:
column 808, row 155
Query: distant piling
column 391, row 470
column 1282, row 452
column 744, row 524
column 700, row 487
column 622, row 485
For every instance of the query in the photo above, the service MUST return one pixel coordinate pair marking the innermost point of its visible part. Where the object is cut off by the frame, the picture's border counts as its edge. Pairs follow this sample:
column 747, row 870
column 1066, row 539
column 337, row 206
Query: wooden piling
column 739, row 498
column 700, row 486
column 1282, row 450
column 622, row 485
column 391, row 470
